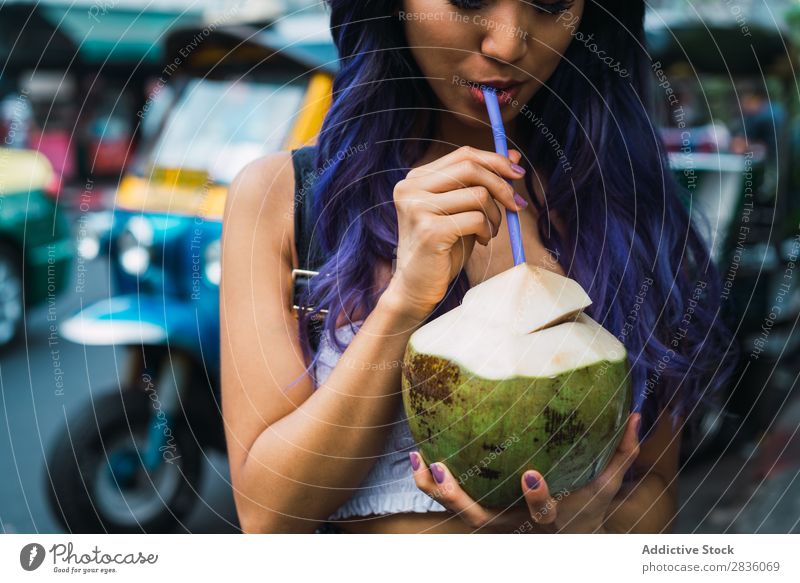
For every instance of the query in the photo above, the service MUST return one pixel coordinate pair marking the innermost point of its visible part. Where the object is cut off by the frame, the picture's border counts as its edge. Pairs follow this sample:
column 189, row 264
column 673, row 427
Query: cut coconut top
column 492, row 354
column 524, row 322
column 525, row 298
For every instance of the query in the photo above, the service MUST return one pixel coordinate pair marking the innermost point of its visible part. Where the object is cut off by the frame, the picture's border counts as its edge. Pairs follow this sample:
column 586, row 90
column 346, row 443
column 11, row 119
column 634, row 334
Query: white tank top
column 389, row 486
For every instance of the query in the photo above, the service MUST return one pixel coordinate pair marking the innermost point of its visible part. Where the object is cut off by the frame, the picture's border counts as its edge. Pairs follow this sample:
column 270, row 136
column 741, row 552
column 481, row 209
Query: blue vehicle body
column 132, row 459
column 172, row 302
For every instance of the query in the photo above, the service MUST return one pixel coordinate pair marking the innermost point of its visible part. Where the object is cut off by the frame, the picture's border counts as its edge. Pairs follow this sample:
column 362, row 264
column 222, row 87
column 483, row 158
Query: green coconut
column 517, row 377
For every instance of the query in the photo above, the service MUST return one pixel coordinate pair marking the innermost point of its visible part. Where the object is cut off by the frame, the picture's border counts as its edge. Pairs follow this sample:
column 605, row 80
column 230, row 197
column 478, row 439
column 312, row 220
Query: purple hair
column 630, row 241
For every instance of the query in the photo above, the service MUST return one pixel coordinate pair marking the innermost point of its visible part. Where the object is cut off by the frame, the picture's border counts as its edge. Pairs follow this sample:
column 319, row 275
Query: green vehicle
column 35, row 243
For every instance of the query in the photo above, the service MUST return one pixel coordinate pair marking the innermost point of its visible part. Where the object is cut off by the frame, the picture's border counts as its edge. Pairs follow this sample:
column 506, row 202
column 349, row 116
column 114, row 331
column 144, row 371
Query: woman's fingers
column 454, row 227
column 471, row 198
column 610, row 479
column 542, row 506
column 465, row 174
column 438, row 483
column 477, row 168
column 497, row 163
column 475, row 198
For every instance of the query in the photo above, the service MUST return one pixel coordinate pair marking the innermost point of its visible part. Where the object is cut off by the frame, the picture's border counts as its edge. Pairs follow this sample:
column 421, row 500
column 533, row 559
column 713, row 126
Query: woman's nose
column 505, row 34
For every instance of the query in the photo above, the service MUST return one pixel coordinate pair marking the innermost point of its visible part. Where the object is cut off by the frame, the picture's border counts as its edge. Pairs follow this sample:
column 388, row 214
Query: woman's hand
column 581, row 511
column 442, row 208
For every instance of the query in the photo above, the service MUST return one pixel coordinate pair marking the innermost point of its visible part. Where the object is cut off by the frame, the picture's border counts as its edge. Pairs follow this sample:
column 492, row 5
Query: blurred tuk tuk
column 35, row 243
column 83, row 70
column 228, row 96
column 730, row 125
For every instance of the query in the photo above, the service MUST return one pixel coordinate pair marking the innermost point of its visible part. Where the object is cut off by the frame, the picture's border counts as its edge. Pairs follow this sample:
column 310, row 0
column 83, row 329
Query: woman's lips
column 505, row 95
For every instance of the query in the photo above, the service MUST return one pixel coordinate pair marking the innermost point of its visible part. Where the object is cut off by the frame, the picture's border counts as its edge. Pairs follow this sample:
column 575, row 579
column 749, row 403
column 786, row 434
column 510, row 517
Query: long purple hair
column 630, row 241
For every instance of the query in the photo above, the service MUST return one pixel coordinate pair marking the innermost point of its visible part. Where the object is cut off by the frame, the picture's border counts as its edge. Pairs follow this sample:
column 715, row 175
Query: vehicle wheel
column 98, row 481
column 11, row 296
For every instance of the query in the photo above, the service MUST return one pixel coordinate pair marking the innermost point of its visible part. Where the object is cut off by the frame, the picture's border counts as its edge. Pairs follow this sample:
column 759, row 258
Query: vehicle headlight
column 91, row 230
column 88, row 246
column 212, row 263
column 135, row 246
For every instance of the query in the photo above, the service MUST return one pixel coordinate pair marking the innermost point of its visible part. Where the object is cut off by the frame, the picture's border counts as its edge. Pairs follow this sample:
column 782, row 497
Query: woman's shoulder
column 263, row 181
column 262, row 195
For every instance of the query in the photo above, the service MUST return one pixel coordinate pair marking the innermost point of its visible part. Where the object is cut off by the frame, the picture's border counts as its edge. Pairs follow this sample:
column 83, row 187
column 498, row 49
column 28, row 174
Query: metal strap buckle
column 306, row 272
column 303, row 273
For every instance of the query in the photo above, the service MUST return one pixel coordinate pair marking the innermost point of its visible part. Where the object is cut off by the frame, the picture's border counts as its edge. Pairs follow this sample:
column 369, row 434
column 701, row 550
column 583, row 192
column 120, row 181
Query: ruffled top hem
column 387, row 503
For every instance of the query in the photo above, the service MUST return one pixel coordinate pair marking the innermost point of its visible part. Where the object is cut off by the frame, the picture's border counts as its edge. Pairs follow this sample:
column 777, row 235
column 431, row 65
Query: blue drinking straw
column 501, row 147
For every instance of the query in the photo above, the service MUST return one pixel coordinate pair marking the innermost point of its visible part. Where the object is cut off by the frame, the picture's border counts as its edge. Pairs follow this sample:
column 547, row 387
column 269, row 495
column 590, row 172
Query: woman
column 405, row 183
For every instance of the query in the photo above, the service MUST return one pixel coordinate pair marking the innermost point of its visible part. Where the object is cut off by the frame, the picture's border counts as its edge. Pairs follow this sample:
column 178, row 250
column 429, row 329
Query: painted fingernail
column 521, row 202
column 518, row 169
column 438, row 473
column 414, row 460
column 531, row 481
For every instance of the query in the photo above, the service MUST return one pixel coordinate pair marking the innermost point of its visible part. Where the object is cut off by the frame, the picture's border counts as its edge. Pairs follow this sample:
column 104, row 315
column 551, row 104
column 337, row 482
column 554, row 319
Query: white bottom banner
column 372, row 558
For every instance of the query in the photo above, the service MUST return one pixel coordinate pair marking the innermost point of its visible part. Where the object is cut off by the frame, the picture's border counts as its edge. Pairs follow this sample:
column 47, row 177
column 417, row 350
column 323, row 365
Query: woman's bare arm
column 295, row 455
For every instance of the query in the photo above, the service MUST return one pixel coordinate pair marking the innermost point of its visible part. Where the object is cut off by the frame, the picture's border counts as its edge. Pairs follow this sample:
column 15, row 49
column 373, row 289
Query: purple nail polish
column 531, row 481
column 518, row 169
column 438, row 473
column 414, row 460
column 520, row 201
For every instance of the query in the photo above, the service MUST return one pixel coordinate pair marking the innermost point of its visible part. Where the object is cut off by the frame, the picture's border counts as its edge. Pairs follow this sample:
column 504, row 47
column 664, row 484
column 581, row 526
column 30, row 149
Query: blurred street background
column 121, row 128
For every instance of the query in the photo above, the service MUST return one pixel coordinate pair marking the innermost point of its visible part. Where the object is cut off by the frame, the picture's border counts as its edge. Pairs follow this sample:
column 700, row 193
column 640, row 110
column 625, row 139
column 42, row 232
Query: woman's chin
column 476, row 122
column 478, row 118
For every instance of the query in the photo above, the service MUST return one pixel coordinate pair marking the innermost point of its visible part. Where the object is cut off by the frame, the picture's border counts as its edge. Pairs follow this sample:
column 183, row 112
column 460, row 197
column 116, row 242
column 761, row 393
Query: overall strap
column 309, row 255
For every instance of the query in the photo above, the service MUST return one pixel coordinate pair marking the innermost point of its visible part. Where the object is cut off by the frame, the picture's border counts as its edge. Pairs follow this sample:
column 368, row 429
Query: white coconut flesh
column 524, row 322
